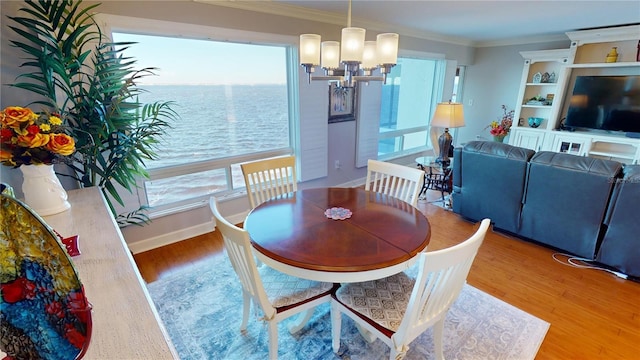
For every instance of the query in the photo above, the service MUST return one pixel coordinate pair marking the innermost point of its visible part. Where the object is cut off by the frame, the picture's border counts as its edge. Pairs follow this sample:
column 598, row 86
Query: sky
column 202, row 62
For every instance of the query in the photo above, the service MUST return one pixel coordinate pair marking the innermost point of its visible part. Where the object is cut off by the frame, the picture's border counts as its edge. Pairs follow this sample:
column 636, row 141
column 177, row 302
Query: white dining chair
column 402, row 182
column 278, row 295
column 266, row 179
column 399, row 308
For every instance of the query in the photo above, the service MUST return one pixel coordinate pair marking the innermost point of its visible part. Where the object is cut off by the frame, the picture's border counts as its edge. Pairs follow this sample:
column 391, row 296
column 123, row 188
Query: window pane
column 406, row 104
column 221, row 121
column 178, row 188
column 227, row 105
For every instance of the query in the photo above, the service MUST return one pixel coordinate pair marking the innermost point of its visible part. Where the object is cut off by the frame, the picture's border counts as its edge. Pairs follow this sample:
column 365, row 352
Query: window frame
column 438, row 91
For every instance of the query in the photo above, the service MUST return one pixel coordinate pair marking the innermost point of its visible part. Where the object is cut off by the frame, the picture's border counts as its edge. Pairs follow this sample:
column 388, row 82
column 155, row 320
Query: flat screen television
column 610, row 103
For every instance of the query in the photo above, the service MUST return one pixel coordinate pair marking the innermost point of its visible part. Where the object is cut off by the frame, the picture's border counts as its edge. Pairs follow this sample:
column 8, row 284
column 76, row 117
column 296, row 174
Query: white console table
column 126, row 324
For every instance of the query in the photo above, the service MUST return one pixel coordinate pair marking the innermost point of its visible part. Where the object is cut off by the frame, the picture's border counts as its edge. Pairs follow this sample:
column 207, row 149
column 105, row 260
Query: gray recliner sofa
column 494, row 182
column 579, row 205
column 566, row 200
column 620, row 246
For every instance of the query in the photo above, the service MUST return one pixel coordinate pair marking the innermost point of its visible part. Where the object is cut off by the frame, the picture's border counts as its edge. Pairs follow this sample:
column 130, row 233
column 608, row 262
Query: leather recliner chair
column 566, row 200
column 496, row 174
column 620, row 246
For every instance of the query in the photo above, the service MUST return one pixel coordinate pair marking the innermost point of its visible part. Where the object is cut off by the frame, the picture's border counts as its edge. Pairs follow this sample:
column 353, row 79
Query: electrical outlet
column 337, row 164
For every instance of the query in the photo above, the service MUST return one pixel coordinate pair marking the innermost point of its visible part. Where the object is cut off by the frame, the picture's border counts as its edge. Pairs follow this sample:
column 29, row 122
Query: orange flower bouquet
column 28, row 138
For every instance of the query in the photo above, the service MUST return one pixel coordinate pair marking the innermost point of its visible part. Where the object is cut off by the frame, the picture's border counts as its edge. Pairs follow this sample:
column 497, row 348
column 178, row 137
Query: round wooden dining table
column 381, row 237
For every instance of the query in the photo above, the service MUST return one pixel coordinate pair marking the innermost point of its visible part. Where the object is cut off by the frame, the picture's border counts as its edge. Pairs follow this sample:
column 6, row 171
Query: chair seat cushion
column 384, row 301
column 284, row 290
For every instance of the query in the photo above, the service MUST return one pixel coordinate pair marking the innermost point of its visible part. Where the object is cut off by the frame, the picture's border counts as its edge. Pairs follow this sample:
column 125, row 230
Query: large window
column 407, row 101
column 230, row 111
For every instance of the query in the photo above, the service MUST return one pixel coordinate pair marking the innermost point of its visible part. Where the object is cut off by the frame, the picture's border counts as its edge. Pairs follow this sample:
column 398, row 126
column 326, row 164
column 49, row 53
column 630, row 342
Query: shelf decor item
column 500, row 128
column 537, row 78
column 612, row 56
column 537, row 100
column 33, row 143
column 499, row 138
column 534, row 122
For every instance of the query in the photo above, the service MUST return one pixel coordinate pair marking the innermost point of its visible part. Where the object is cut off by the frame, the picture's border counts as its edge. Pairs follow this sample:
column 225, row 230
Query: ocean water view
column 220, row 120
column 215, row 121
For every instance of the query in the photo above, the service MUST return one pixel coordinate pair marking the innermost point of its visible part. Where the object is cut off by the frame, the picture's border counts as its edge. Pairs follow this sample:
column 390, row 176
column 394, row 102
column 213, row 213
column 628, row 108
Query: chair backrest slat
column 399, row 181
column 266, row 179
column 238, row 247
column 441, row 277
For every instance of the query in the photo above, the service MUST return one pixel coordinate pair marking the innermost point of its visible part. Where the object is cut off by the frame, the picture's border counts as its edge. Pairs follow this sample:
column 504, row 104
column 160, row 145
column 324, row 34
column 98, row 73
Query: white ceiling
column 479, row 23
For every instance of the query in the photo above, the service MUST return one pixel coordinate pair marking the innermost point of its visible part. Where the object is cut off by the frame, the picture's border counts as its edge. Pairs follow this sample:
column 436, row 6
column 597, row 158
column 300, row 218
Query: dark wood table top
column 382, row 233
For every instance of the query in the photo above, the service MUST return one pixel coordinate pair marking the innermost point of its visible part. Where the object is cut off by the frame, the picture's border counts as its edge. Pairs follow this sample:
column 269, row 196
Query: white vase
column 42, row 190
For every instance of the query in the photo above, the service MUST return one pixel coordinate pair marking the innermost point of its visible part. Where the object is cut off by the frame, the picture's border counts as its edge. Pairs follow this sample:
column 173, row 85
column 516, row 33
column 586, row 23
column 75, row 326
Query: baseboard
column 170, row 238
column 179, row 235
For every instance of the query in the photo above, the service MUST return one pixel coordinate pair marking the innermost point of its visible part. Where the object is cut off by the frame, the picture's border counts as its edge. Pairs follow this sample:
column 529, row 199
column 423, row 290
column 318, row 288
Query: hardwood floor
column 593, row 314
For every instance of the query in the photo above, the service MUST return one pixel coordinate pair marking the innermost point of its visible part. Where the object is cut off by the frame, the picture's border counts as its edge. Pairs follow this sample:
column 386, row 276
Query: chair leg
column 438, row 329
column 395, row 354
column 273, row 340
column 246, row 308
column 301, row 321
column 366, row 334
column 336, row 324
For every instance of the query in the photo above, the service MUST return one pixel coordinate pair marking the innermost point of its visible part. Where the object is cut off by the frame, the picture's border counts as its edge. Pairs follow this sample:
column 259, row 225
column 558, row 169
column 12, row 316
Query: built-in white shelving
column 586, row 55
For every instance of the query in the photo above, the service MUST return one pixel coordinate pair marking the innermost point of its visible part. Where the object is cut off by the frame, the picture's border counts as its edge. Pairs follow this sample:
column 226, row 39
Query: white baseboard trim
column 170, row 238
column 179, row 235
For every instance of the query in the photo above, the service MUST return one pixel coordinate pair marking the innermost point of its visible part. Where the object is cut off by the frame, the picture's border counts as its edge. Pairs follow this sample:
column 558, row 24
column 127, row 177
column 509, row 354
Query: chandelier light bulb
column 369, row 58
column 387, row 48
column 330, row 55
column 352, row 44
column 310, row 49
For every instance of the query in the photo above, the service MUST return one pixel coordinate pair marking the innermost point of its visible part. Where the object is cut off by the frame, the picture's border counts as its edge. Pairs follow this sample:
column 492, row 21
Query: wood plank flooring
column 593, row 314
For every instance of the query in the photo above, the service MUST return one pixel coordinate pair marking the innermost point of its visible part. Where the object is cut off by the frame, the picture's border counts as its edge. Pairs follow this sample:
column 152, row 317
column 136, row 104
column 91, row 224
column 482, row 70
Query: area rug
column 202, row 309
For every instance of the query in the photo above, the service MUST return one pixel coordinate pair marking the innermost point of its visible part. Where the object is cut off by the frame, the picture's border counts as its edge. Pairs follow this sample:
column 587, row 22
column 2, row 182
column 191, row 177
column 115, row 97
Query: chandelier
column 353, row 52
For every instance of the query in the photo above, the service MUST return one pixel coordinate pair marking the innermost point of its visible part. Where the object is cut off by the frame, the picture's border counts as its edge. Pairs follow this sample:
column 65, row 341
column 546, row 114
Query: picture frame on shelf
column 342, row 103
column 550, row 99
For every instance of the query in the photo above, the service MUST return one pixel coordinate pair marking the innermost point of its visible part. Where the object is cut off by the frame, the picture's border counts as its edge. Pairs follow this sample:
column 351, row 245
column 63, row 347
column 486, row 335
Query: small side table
column 437, row 176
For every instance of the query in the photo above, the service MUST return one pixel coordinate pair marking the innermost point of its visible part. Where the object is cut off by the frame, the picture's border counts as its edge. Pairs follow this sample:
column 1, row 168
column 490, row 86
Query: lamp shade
column 310, row 49
column 369, row 58
column 387, row 48
column 330, row 55
column 448, row 115
column 352, row 44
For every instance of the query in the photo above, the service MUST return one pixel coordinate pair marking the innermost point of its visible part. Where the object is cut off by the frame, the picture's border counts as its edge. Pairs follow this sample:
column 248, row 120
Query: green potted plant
column 80, row 74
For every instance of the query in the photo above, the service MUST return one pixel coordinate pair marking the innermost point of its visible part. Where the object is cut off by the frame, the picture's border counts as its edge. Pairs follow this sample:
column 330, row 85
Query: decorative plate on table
column 338, row 213
column 44, row 313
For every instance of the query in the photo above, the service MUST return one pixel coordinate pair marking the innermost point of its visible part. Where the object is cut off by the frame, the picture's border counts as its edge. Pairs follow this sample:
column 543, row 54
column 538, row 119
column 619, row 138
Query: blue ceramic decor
column 534, row 122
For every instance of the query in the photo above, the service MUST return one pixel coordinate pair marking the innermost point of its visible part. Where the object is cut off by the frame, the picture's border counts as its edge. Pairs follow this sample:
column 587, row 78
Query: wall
column 492, row 80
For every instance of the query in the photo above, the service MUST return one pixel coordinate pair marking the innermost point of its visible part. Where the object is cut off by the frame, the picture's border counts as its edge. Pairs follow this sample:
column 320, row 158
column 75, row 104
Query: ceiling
column 478, row 23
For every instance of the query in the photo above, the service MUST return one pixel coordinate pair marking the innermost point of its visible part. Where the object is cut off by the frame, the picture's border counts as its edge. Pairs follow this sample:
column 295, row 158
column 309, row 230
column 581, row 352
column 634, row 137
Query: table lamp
column 447, row 115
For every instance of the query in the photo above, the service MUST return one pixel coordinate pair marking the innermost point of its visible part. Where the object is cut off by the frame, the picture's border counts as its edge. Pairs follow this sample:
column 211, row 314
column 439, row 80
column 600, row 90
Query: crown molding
column 522, row 40
column 299, row 12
